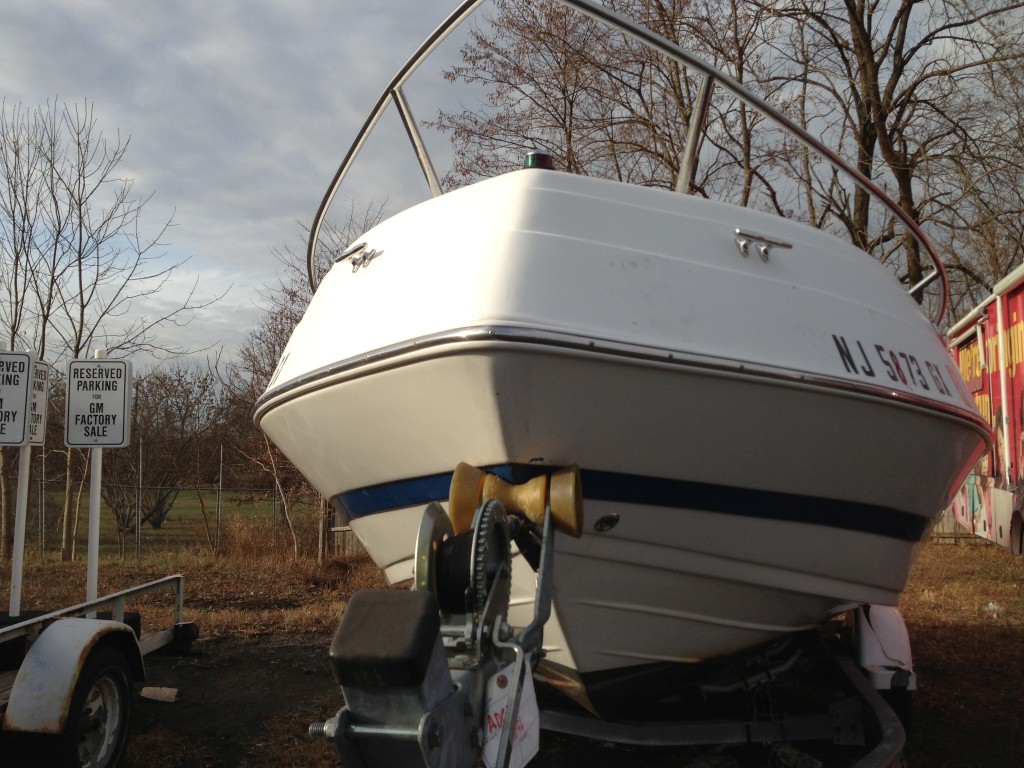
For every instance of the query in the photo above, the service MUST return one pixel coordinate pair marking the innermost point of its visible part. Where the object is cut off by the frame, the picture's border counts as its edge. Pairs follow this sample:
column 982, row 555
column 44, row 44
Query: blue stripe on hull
column 622, row 488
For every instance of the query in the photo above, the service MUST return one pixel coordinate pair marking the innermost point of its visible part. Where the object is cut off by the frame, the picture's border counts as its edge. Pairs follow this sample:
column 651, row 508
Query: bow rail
column 712, row 78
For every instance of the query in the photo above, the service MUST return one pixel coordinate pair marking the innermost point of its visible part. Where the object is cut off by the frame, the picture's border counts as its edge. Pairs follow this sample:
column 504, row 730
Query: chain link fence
column 213, row 518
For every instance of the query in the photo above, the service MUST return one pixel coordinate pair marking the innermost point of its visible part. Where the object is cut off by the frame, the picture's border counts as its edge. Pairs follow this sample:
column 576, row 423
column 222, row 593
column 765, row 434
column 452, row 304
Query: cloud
column 238, row 112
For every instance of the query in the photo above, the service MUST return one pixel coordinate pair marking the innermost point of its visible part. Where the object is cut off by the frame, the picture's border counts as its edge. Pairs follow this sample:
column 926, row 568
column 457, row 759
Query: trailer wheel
column 99, row 717
column 901, row 702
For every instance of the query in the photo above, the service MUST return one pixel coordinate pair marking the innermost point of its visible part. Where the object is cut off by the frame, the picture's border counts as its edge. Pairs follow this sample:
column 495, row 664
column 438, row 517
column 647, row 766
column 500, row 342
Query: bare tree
column 19, row 210
column 246, row 378
column 174, row 424
column 903, row 88
column 984, row 240
column 85, row 266
column 605, row 105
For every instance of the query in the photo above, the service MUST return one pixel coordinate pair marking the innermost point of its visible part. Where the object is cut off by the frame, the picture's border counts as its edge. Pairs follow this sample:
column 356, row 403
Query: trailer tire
column 99, row 716
column 1017, row 534
column 901, row 702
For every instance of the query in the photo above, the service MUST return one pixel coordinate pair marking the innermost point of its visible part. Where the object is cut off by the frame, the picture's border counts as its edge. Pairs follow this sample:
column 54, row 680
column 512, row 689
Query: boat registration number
column 879, row 361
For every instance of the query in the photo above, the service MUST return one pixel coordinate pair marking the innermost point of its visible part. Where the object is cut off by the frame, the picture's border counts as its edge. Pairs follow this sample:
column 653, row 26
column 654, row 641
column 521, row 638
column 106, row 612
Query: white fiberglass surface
column 606, row 261
column 510, row 404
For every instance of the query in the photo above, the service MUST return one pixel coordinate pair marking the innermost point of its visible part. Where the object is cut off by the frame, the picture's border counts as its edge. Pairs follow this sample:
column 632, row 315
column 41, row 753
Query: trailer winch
column 436, row 676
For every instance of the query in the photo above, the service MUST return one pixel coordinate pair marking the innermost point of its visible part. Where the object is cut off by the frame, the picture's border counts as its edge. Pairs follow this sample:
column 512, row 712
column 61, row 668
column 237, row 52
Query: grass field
column 184, row 527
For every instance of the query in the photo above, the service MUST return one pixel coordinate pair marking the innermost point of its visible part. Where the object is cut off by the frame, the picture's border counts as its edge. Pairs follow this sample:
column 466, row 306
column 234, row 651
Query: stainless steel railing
column 712, row 79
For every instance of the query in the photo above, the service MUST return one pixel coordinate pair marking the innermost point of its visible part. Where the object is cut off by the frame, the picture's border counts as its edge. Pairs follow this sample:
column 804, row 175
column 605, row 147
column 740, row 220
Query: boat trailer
column 67, row 677
column 435, row 676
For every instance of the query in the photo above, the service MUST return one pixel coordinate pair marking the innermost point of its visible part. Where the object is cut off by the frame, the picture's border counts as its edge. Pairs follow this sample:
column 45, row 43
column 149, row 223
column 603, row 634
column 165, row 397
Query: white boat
column 766, row 423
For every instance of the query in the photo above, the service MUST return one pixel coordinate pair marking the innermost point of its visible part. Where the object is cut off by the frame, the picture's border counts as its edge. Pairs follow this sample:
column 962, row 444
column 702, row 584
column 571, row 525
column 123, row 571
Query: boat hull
column 749, row 467
column 722, row 539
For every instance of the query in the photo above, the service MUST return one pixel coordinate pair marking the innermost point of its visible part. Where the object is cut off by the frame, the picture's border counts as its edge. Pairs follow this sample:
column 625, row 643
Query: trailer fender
column 883, row 647
column 41, row 695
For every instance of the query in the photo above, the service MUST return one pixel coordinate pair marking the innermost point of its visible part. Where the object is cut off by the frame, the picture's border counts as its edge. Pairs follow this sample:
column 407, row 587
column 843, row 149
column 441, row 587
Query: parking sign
column 99, row 404
column 15, row 379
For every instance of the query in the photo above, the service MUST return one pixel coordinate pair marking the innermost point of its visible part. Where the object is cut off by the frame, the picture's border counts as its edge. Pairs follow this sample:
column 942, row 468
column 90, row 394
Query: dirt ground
column 238, row 698
column 233, row 696
column 249, row 688
column 248, row 702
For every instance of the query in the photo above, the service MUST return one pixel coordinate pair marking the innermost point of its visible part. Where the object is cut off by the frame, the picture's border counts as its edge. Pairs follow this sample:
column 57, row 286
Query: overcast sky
column 239, row 112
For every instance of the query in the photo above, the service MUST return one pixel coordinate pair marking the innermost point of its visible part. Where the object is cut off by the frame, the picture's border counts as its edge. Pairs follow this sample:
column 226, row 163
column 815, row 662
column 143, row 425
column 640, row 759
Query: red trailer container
column 988, row 345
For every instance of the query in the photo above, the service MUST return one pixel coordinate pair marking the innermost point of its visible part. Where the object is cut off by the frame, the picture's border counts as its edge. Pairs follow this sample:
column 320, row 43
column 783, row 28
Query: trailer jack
column 435, row 676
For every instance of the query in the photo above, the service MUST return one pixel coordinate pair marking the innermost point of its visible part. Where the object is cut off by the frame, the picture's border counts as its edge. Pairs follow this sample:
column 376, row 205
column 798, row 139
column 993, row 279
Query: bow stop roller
column 560, row 491
column 436, row 676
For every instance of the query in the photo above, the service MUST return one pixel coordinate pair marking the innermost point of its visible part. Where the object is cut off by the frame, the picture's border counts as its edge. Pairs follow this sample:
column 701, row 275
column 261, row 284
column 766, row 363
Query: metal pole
column 42, row 503
column 95, row 478
column 138, row 509
column 320, row 531
column 688, row 166
column 20, row 514
column 220, row 491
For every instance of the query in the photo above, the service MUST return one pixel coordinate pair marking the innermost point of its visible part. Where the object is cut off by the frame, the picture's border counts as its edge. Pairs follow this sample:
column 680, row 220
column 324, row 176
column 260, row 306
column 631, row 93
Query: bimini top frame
column 684, row 182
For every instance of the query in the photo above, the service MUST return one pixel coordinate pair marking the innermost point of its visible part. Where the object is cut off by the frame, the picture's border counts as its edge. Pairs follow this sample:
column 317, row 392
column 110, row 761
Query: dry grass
column 964, row 607
column 226, row 595
column 285, row 739
column 248, row 598
column 966, row 584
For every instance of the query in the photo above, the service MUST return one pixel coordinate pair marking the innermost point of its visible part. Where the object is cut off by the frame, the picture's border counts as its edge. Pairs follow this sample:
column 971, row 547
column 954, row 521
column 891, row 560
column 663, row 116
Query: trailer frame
column 39, row 696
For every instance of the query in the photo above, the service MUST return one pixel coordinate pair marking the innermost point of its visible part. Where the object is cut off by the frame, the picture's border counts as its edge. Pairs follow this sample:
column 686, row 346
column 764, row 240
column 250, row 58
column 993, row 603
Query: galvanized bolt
column 326, row 730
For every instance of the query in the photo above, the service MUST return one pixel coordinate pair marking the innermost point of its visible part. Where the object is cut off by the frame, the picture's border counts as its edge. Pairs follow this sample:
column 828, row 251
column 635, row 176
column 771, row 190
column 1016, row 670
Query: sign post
column 15, row 383
column 97, row 416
